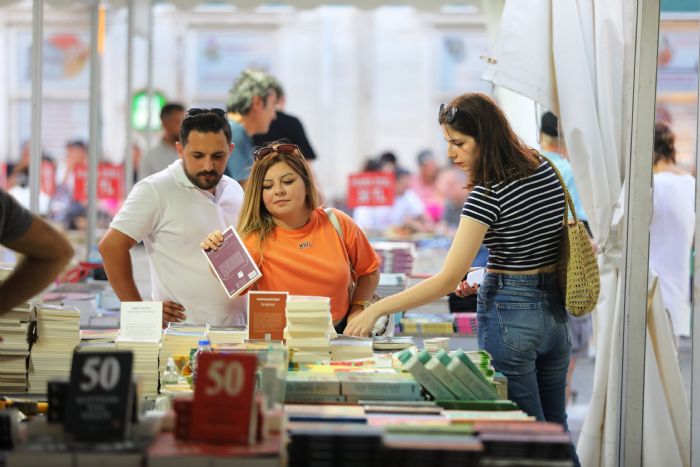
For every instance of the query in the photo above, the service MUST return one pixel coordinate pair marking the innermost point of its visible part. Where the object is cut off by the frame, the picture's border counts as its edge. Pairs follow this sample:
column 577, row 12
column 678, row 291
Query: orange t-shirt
column 311, row 260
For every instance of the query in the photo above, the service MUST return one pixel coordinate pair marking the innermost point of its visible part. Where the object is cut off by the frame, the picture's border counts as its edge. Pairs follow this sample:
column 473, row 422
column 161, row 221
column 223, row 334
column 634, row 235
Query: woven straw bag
column 579, row 277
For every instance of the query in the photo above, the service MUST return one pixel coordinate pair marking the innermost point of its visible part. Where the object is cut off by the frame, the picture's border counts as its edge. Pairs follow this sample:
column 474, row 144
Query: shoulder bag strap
column 339, row 230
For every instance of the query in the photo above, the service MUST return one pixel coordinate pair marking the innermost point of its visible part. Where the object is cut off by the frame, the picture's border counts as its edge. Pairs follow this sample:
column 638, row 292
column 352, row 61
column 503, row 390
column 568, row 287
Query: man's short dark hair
column 205, row 121
column 550, row 125
column 76, row 143
column 170, row 108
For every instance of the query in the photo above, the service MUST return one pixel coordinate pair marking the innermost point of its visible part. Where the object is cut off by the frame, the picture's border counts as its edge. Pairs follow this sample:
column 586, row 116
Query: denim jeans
column 522, row 323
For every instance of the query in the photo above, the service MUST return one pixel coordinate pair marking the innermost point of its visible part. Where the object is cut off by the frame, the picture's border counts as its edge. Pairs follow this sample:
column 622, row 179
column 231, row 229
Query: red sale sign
column 110, row 181
column 223, row 410
column 371, row 189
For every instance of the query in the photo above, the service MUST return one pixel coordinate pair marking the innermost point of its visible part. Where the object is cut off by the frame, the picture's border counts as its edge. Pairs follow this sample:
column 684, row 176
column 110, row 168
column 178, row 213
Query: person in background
column 68, row 206
column 164, row 154
column 672, row 229
column 553, row 148
column 580, row 327
column 516, row 208
column 451, row 187
column 293, row 241
column 45, row 253
column 171, row 211
column 406, row 214
column 424, row 184
column 251, row 106
column 388, row 162
column 286, row 128
column 18, row 180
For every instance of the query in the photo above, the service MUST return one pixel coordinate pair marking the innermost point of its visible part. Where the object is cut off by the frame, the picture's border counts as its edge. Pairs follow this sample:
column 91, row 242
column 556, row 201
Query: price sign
column 110, row 181
column 100, row 396
column 223, row 410
column 371, row 189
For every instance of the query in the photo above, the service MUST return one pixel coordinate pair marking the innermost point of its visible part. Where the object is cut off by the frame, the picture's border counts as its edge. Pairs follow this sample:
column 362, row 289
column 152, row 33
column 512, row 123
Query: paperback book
column 232, row 264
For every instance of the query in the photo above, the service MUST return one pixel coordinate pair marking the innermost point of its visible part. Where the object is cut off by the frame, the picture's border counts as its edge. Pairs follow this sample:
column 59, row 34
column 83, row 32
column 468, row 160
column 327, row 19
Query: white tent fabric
column 569, row 55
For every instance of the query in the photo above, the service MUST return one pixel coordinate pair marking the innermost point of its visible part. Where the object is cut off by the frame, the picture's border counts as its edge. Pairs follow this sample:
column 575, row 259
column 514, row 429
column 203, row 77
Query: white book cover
column 141, row 321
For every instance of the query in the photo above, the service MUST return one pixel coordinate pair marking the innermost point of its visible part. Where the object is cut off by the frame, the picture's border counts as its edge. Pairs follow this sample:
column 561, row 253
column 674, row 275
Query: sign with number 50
column 223, row 409
column 100, row 402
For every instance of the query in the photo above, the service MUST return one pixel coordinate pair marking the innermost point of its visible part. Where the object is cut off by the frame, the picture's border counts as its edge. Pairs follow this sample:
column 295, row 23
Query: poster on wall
column 677, row 84
column 459, row 64
column 66, row 64
column 222, row 55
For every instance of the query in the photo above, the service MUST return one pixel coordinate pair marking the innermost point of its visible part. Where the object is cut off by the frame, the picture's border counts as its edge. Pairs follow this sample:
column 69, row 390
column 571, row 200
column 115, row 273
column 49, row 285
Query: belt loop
column 500, row 281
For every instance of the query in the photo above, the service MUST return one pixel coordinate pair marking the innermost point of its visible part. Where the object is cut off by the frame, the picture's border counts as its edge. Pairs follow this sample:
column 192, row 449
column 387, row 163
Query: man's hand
column 361, row 324
column 173, row 313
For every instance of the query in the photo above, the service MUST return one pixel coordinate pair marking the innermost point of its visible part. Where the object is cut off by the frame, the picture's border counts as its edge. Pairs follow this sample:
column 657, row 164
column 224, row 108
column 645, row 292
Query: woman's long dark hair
column 503, row 156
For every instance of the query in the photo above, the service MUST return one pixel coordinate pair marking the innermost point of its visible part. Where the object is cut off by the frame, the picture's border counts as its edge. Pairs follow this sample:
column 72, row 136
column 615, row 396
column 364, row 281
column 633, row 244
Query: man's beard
column 204, row 185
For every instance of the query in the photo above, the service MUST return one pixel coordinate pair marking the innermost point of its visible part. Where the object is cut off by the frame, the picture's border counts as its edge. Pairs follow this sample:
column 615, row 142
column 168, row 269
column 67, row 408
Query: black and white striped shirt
column 524, row 219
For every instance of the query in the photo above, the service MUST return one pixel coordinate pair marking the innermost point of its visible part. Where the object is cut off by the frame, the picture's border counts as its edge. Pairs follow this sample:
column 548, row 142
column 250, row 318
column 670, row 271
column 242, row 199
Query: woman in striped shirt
column 516, row 209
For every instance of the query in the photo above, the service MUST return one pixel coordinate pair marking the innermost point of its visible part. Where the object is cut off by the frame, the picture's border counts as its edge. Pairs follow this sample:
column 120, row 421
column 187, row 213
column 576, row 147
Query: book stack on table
column 57, row 334
column 14, row 348
column 180, row 339
column 397, row 257
column 309, row 328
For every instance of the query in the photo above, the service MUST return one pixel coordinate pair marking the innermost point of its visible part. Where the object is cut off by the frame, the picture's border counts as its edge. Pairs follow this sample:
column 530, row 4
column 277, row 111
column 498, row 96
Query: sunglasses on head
column 195, row 111
column 285, row 148
column 448, row 113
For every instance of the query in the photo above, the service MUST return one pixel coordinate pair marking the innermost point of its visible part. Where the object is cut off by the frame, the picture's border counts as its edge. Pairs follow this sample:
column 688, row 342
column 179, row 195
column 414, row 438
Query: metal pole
column 37, row 89
column 94, row 146
column 149, row 82
column 695, row 356
column 638, row 201
column 128, row 155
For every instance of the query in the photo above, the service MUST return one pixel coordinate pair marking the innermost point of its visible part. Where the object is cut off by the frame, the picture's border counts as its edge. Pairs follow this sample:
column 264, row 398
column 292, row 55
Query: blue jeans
column 522, row 323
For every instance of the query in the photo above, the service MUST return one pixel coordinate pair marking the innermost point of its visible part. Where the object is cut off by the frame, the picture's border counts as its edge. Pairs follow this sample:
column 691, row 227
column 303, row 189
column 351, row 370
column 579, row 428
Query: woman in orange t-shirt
column 293, row 241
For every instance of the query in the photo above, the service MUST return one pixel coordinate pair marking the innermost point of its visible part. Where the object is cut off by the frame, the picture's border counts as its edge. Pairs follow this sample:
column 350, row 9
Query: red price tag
column 371, row 189
column 110, row 181
column 223, row 410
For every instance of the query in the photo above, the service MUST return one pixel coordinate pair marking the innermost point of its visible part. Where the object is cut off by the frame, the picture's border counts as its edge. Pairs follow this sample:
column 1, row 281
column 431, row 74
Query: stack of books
column 335, row 444
column 391, row 283
column 309, row 328
column 427, row 323
column 465, row 322
column 436, row 343
column 351, row 348
column 312, row 387
column 14, row 348
column 57, row 335
column 180, row 339
column 419, row 445
column 226, row 335
column 366, row 386
column 393, row 343
column 397, row 257
column 145, row 366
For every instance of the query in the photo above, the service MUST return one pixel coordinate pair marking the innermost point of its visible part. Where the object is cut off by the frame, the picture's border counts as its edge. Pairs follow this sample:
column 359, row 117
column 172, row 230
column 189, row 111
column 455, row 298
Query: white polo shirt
column 172, row 216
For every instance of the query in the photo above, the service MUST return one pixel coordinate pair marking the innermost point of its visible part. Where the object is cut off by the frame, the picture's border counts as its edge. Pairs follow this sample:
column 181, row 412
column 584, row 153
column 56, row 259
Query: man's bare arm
column 114, row 248
column 46, row 252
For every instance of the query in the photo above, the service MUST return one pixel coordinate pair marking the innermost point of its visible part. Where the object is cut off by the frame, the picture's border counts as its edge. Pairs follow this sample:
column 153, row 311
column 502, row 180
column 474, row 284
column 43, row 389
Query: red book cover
column 223, row 410
column 267, row 315
column 232, row 264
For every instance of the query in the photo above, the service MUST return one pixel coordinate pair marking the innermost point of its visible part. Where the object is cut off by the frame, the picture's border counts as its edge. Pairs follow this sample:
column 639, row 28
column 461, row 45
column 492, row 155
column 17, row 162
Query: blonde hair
column 254, row 217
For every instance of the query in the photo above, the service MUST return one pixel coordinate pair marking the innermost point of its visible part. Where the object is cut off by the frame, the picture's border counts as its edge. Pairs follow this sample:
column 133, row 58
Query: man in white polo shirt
column 171, row 212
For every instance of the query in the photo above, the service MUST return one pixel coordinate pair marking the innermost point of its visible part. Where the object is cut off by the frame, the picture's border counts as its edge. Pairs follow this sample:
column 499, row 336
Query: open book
column 232, row 264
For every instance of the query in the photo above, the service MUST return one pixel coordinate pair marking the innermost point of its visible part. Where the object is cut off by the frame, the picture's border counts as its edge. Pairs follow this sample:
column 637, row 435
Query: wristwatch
column 363, row 303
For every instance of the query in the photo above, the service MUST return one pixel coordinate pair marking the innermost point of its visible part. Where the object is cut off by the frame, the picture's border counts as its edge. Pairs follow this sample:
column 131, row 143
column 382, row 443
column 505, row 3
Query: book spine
column 481, row 389
column 428, row 380
column 330, row 388
column 456, row 387
column 379, row 388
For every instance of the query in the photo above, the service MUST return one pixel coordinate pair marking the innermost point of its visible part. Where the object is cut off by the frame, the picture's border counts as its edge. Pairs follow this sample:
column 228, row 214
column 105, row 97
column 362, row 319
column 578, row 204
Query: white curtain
column 570, row 56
